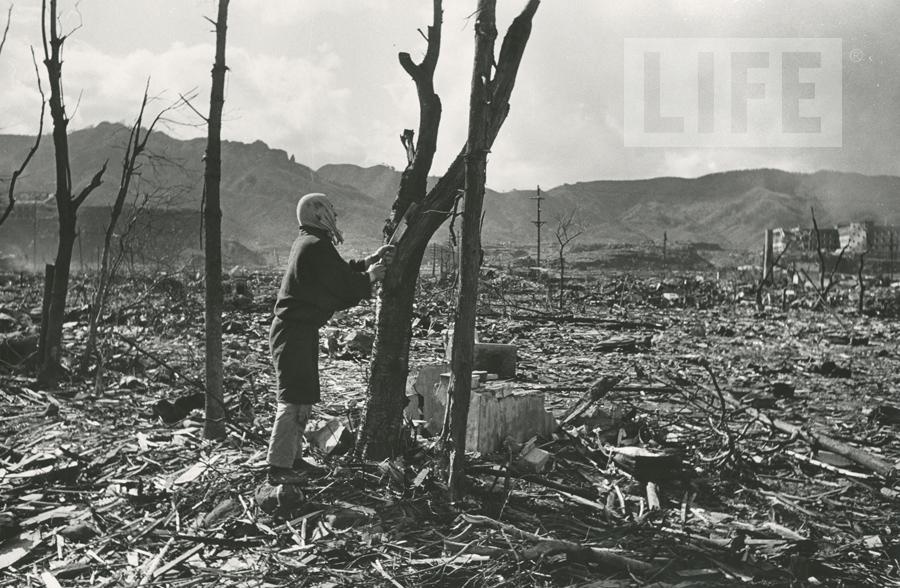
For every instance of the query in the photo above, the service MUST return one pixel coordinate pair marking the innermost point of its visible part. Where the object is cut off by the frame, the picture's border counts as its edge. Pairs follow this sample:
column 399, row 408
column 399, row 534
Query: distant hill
column 260, row 186
column 731, row 208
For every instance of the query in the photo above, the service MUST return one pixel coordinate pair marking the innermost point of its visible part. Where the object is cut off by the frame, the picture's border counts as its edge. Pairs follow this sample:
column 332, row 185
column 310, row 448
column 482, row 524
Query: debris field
column 697, row 439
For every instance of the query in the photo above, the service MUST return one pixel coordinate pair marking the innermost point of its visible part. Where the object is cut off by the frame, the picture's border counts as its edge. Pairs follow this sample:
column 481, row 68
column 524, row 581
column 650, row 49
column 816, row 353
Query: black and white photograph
column 421, row 293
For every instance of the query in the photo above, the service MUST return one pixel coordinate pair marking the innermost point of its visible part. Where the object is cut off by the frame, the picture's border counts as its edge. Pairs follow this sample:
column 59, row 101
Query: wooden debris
column 596, row 391
column 648, row 465
column 92, row 500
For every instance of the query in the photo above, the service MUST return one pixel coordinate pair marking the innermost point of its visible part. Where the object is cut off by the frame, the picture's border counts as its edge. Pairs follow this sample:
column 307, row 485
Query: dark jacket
column 318, row 281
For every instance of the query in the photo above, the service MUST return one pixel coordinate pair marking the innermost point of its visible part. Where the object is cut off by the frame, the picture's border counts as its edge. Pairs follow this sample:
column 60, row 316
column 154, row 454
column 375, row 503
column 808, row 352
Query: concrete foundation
column 496, row 411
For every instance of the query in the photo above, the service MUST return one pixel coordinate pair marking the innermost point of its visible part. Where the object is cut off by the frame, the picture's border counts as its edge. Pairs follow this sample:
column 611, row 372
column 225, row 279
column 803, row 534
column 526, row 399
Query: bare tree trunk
column 819, row 252
column 460, row 388
column 861, row 307
column 66, row 204
column 562, row 277
column 133, row 150
column 11, row 191
column 568, row 228
column 381, row 432
column 214, row 427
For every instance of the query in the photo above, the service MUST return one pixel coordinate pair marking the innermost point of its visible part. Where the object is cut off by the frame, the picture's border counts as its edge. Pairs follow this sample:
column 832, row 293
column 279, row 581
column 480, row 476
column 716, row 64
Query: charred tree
column 861, row 282
column 568, row 228
column 381, row 432
column 67, row 203
column 6, row 28
column 824, row 288
column 390, row 361
column 134, row 148
column 460, row 388
column 214, row 427
column 11, row 189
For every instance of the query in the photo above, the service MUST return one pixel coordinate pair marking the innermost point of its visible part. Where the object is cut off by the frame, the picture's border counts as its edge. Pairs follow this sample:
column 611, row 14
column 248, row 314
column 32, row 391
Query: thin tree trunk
column 470, row 246
column 381, row 432
column 562, row 277
column 66, row 204
column 862, row 285
column 389, row 369
column 214, row 427
column 133, row 150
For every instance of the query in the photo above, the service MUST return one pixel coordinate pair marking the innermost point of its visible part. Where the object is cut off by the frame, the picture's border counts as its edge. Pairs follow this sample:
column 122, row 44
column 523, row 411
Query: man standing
column 316, row 283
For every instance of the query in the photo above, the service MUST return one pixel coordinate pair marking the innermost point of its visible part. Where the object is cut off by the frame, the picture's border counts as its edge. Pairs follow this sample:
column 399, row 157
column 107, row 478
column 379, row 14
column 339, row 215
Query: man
column 316, row 283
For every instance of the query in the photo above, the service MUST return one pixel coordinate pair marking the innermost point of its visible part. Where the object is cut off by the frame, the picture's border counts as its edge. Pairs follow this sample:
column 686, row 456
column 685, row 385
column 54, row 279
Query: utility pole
column 538, row 223
column 80, row 253
column 34, row 235
column 768, row 257
column 892, row 255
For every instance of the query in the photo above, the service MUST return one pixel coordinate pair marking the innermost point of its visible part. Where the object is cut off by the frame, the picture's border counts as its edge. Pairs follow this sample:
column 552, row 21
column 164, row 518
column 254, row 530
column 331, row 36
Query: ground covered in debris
column 669, row 467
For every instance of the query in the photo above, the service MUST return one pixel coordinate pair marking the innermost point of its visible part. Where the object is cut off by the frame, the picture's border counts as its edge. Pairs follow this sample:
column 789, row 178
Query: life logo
column 733, row 92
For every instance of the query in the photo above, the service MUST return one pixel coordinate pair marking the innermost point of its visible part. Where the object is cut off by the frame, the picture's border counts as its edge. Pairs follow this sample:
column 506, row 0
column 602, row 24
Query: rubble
column 723, row 453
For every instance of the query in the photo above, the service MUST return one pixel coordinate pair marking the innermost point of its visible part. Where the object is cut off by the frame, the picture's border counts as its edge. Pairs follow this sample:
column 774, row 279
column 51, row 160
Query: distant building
column 854, row 237
column 867, row 237
column 882, row 240
column 802, row 240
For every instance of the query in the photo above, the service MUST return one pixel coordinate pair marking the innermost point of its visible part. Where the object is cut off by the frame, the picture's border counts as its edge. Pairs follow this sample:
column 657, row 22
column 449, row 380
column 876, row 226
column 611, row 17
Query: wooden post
column 45, row 312
column 34, row 261
column 80, row 254
column 891, row 270
column 767, row 257
column 860, row 281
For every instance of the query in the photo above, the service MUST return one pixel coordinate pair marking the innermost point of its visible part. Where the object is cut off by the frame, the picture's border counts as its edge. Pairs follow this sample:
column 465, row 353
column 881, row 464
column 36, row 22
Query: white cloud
column 294, row 12
column 320, row 79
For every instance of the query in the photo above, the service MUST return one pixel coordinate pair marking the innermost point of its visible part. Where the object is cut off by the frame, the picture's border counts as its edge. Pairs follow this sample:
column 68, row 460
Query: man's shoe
column 278, row 476
column 301, row 465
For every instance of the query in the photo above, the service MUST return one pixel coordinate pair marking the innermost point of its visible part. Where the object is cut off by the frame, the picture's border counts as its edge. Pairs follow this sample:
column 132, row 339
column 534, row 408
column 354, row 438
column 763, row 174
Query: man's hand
column 384, row 254
column 376, row 272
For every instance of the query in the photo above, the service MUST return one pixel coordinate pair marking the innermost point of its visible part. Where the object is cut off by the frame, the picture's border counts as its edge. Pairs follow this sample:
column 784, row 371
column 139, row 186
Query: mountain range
column 260, row 186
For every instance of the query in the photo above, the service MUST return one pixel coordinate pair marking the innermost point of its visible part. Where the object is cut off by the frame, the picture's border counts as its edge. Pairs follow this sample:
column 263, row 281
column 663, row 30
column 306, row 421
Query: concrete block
column 496, row 358
column 535, row 461
column 493, row 358
column 420, row 386
column 496, row 411
column 435, row 403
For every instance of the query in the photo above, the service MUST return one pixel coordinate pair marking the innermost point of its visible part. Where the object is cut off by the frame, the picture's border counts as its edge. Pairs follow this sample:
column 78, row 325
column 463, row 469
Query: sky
column 320, row 80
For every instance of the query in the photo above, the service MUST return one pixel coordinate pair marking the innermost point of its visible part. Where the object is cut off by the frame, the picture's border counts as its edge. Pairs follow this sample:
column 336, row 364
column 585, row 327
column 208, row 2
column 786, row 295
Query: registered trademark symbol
column 857, row 55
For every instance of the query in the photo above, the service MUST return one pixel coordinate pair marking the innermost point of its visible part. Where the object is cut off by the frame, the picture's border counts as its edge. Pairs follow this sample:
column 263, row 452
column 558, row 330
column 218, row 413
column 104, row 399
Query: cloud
column 320, row 79
column 286, row 101
column 292, row 13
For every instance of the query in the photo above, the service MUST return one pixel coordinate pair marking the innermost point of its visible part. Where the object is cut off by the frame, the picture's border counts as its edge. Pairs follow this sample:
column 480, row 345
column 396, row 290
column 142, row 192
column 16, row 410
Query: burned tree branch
column 414, row 179
column 134, row 148
column 863, row 458
column 568, row 228
column 11, row 192
column 6, row 28
column 93, row 185
column 441, row 196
